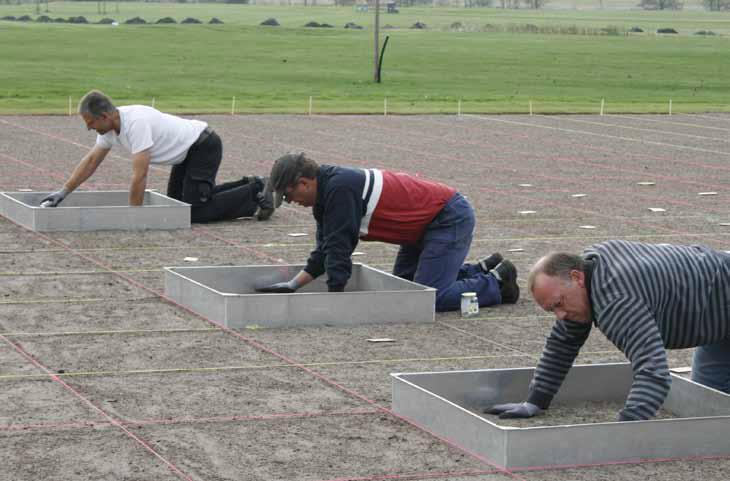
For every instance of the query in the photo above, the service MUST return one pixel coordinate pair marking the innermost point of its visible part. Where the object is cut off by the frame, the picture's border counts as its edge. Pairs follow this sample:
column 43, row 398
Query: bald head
column 555, row 264
column 557, row 283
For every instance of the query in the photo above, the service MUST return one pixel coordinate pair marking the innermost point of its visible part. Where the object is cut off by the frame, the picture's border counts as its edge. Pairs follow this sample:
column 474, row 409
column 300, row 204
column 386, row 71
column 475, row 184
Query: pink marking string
column 494, row 147
column 94, row 407
column 186, row 420
column 68, row 141
column 314, row 373
column 264, row 349
column 563, row 181
column 548, row 139
column 426, row 475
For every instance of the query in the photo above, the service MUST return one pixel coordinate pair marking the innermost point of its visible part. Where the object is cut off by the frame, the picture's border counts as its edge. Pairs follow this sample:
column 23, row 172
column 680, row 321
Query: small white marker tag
column 191, row 259
column 297, row 234
column 524, row 212
column 657, row 209
column 577, row 196
column 516, row 249
column 525, row 185
column 707, row 193
column 681, row 370
column 725, row 224
column 381, row 339
column 646, row 183
column 357, row 253
column 25, row 190
column 586, row 227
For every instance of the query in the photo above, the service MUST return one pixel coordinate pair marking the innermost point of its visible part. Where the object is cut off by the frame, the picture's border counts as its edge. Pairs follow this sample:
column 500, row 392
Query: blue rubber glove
column 54, row 198
column 514, row 410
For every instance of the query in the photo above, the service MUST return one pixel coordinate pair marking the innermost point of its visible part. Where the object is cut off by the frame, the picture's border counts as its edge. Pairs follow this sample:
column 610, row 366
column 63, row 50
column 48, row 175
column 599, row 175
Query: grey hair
column 555, row 264
column 96, row 103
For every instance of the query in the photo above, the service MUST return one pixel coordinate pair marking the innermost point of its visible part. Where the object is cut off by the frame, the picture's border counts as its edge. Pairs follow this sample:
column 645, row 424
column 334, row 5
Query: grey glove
column 54, row 198
column 280, row 287
column 514, row 410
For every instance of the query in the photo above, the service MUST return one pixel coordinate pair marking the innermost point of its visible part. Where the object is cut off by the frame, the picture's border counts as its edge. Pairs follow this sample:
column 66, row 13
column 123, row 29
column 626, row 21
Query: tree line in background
column 711, row 5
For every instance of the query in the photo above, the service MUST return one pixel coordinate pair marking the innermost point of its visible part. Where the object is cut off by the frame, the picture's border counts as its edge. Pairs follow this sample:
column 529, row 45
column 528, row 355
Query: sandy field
column 102, row 379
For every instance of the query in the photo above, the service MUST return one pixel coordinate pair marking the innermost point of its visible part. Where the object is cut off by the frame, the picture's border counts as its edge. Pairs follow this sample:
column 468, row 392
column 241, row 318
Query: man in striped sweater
column 645, row 298
column 432, row 223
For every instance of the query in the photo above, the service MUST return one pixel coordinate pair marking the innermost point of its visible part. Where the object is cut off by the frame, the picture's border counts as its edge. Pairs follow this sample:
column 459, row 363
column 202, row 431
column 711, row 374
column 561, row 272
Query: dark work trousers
column 438, row 260
column 193, row 182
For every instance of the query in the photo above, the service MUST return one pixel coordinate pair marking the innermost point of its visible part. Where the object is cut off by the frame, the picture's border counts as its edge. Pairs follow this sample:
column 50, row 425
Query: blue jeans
column 711, row 366
column 438, row 259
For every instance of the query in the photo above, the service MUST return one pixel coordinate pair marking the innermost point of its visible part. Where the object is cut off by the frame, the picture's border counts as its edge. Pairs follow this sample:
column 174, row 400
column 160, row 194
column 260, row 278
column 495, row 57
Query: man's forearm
column 140, row 167
column 83, row 171
column 136, row 191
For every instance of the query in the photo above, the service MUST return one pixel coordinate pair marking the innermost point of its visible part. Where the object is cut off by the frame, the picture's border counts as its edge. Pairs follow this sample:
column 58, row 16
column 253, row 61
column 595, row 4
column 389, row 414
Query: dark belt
column 203, row 136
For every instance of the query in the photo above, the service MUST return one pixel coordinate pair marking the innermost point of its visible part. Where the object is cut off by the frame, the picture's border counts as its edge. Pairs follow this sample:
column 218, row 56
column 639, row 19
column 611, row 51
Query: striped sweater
column 645, row 298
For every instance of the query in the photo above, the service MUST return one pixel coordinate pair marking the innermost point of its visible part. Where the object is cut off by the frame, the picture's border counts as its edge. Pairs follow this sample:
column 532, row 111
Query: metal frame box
column 227, row 295
column 444, row 402
column 95, row 210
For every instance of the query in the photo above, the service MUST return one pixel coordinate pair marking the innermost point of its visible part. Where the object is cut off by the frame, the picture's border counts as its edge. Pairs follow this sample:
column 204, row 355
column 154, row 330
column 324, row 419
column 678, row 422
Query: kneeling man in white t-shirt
column 190, row 147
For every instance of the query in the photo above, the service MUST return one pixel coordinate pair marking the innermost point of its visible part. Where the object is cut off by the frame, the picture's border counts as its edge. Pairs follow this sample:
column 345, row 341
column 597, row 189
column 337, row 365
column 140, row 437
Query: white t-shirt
column 166, row 136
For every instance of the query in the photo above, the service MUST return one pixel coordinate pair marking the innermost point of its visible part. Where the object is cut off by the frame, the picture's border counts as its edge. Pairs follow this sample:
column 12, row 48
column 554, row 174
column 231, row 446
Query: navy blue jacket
column 338, row 210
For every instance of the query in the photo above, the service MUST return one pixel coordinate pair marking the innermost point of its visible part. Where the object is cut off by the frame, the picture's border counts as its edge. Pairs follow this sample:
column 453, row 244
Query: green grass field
column 200, row 68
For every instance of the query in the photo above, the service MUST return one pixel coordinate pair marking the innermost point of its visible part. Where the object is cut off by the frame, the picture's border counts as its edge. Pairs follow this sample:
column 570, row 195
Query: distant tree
column 480, row 3
column 716, row 5
column 509, row 4
column 661, row 4
column 535, row 4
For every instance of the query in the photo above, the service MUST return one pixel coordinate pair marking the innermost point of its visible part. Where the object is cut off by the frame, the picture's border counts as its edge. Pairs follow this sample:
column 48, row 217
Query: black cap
column 285, row 172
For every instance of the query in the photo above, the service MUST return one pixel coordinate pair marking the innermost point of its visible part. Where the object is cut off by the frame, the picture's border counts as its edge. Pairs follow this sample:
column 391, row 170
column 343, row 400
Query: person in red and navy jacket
column 432, row 223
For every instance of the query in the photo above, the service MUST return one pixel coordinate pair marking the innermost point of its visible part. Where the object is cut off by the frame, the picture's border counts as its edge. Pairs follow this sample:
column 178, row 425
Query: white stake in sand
column 530, row 107
column 385, row 106
column 233, row 106
column 153, row 102
column 310, row 105
column 70, row 113
column 602, row 104
column 458, row 110
column 670, row 106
